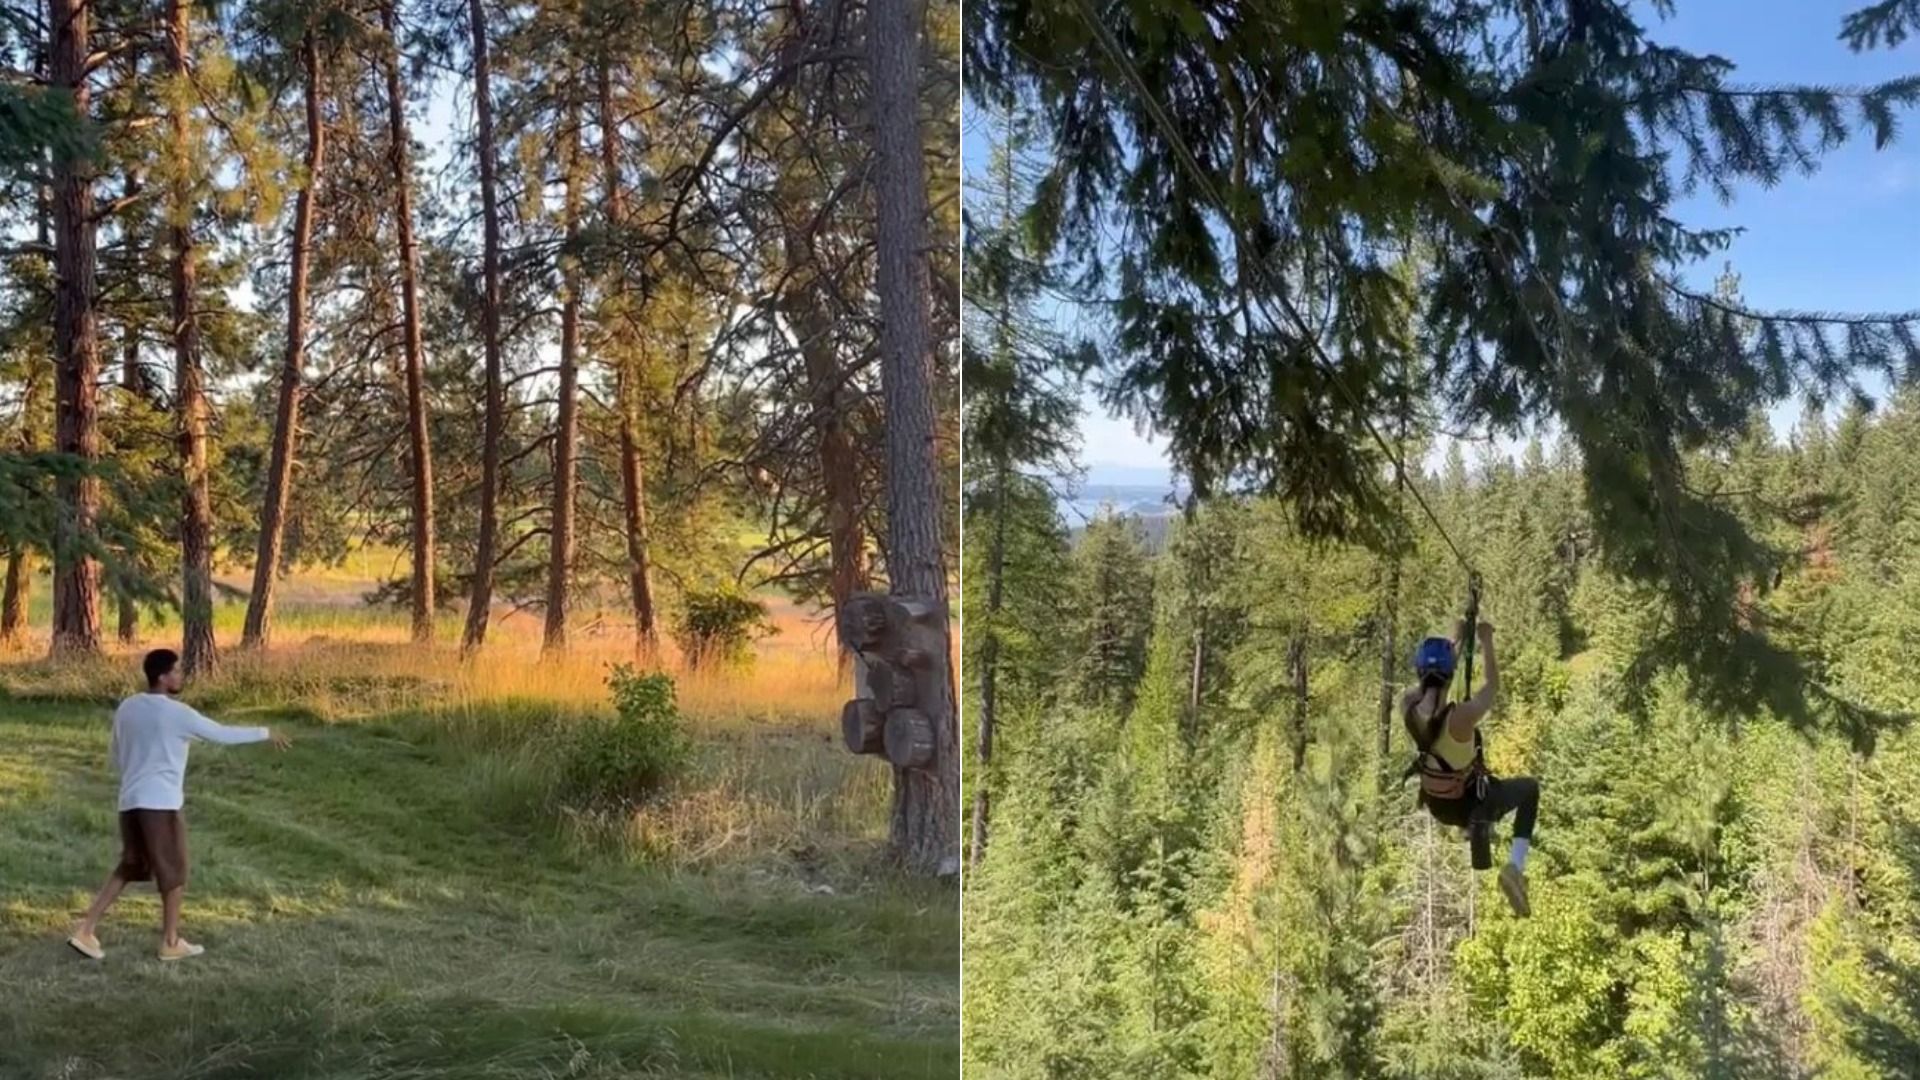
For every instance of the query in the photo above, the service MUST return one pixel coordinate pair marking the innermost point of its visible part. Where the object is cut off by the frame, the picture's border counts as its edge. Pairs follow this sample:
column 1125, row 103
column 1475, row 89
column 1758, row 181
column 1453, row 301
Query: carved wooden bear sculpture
column 897, row 657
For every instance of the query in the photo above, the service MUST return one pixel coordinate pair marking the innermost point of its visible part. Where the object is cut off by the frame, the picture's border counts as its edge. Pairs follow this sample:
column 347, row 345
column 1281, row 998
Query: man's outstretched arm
column 206, row 730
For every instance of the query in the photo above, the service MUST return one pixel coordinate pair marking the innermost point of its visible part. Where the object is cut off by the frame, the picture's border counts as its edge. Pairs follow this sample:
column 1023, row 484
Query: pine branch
column 1805, row 318
column 1884, row 24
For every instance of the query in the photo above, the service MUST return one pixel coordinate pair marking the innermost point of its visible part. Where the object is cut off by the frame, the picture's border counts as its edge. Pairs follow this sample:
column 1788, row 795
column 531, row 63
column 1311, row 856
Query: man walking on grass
column 149, row 751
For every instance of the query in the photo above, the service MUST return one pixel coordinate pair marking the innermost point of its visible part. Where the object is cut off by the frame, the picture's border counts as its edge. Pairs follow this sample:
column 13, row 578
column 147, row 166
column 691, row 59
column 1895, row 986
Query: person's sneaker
column 1514, row 883
column 87, row 945
column 180, row 950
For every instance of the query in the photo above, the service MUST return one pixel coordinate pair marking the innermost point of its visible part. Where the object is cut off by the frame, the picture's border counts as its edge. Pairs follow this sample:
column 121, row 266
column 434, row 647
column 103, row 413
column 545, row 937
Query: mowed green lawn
column 373, row 908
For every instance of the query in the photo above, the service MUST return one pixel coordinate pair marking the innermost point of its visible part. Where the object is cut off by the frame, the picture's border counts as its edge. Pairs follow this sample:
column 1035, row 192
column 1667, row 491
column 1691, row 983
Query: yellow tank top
column 1457, row 753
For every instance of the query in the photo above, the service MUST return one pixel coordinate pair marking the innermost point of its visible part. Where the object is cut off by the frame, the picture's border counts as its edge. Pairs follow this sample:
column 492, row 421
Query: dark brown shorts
column 153, row 847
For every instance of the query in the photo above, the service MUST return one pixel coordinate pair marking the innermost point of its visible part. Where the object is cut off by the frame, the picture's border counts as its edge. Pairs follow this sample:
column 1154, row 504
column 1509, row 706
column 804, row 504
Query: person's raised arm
column 1489, row 690
column 1471, row 711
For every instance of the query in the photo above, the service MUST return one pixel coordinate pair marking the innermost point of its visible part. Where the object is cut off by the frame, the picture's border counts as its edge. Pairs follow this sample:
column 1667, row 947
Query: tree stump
column 861, row 724
column 909, row 739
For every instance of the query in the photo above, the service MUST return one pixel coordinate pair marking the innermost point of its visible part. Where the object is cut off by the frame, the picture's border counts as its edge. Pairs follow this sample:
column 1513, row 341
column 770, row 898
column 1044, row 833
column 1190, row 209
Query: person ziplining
column 1455, row 785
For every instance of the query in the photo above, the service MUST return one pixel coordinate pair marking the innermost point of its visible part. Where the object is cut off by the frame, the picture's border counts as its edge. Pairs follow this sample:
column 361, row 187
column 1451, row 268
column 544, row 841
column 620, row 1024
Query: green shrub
column 717, row 627
column 618, row 763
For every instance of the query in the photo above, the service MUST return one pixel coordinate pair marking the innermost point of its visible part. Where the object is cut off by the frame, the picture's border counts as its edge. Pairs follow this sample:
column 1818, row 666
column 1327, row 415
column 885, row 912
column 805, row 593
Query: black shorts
column 1517, row 795
column 1455, row 812
column 153, row 847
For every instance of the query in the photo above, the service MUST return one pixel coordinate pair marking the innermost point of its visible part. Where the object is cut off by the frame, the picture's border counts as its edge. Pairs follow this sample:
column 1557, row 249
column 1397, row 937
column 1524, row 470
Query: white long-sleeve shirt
column 149, row 748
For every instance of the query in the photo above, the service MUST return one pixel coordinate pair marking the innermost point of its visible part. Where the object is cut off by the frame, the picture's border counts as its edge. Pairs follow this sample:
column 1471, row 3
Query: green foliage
column 716, row 627
column 1249, row 223
column 26, row 497
column 1885, row 24
column 1035, row 587
column 615, row 765
column 1018, row 372
column 1019, row 433
column 1043, row 910
column 1111, row 611
column 36, row 123
column 1716, row 893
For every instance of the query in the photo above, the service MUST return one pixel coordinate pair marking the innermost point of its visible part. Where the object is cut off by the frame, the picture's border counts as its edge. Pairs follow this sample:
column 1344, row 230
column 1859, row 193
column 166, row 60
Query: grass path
column 371, row 911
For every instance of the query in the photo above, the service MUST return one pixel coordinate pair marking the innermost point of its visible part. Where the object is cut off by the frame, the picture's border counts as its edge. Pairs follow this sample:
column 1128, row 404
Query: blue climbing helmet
column 1433, row 661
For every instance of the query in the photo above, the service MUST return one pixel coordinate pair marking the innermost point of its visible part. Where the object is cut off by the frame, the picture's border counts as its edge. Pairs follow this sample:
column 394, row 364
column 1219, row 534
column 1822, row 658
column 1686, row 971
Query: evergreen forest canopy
column 1206, row 865
column 1191, row 850
column 1311, row 218
column 569, row 304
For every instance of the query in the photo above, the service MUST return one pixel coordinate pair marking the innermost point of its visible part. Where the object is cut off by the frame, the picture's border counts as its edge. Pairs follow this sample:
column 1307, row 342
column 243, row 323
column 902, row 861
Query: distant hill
column 1155, row 530
column 1153, row 476
column 1150, row 494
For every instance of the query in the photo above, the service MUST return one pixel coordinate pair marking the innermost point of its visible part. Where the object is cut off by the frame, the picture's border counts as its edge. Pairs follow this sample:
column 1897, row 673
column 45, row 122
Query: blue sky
column 1846, row 238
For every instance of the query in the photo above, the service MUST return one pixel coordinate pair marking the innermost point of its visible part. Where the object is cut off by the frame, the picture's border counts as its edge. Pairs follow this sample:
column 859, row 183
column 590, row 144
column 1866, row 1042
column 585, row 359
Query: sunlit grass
column 771, row 783
column 403, row 894
column 388, row 900
column 772, row 777
column 323, row 632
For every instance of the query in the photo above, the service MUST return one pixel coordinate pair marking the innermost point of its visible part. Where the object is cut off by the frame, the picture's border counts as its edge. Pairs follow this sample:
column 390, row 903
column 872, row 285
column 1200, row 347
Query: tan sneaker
column 1514, row 884
column 180, row 950
column 87, row 945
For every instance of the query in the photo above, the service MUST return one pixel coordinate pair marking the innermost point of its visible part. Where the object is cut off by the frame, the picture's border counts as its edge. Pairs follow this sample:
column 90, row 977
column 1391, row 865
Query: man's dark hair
column 157, row 664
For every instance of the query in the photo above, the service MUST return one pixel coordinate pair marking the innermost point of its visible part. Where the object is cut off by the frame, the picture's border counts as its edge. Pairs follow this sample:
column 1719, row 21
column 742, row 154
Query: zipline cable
column 1472, row 624
column 1111, row 46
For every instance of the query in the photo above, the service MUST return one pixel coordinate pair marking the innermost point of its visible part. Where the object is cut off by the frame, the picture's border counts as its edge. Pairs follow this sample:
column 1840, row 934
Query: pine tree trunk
column 831, row 403
column 15, row 595
column 566, row 439
column 16, row 589
column 286, row 433
column 76, row 576
column 197, row 654
column 629, row 383
column 1191, row 720
column 925, row 825
column 131, row 382
column 806, row 306
column 127, row 630
column 1389, row 649
column 840, row 464
column 1429, row 960
column 1274, row 1064
column 420, row 445
column 996, row 573
column 990, row 658
column 480, row 605
column 633, row 492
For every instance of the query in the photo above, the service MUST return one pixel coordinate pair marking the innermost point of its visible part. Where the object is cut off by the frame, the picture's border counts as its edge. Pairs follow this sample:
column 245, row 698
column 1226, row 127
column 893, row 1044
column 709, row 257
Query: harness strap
column 1428, row 763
